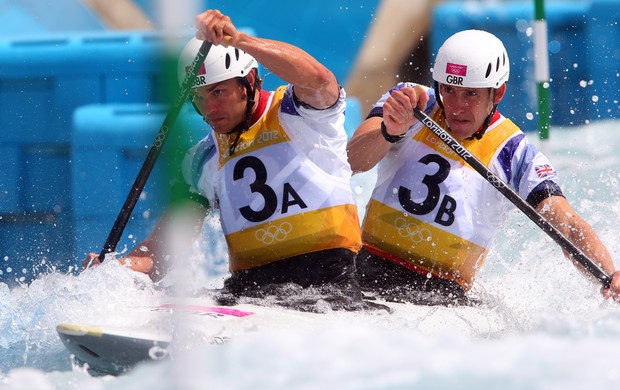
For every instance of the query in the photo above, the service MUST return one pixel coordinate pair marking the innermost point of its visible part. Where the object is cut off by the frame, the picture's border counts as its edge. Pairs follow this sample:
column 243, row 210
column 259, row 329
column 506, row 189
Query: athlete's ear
column 251, row 76
column 254, row 81
column 499, row 94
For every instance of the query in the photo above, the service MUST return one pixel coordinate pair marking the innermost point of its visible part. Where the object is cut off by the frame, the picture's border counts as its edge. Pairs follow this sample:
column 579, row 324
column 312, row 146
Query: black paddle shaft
column 136, row 189
column 512, row 196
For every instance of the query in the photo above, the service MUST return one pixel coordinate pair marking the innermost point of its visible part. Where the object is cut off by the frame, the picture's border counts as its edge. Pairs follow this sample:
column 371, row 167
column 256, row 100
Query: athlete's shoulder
column 205, row 148
column 201, row 153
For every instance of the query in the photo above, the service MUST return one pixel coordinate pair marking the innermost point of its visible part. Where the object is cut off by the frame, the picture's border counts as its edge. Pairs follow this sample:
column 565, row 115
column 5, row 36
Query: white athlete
column 431, row 218
column 274, row 166
column 279, row 194
column 435, row 212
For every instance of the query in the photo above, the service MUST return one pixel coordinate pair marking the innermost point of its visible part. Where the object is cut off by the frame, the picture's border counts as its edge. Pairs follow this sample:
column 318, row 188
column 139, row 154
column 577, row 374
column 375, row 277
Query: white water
column 560, row 333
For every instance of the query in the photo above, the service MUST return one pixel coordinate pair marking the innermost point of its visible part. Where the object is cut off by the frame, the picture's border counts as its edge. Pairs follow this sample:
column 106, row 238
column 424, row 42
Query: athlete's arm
column 368, row 146
column 180, row 226
column 178, row 229
column 561, row 215
column 313, row 83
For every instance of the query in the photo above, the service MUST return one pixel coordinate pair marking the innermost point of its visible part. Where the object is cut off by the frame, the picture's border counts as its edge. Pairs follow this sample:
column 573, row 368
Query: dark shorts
column 392, row 281
column 333, row 266
column 315, row 282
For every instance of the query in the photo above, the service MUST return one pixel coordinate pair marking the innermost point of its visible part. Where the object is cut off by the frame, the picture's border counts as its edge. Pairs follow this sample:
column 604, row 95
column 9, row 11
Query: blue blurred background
column 82, row 94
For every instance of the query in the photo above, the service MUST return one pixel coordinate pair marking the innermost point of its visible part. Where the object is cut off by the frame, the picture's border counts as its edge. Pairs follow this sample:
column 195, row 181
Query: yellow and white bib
column 285, row 191
column 430, row 211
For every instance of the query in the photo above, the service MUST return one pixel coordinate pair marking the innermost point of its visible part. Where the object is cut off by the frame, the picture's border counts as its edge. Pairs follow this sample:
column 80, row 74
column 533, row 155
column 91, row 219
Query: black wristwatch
column 390, row 138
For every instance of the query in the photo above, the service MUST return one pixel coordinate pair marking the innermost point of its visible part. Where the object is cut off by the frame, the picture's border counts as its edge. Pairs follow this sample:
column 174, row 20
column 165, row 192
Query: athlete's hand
column 91, row 260
column 613, row 292
column 142, row 264
column 398, row 109
column 215, row 27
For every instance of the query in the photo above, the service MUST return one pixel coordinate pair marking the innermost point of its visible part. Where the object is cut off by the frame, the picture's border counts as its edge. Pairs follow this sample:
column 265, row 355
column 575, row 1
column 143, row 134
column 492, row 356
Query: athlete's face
column 221, row 104
column 467, row 108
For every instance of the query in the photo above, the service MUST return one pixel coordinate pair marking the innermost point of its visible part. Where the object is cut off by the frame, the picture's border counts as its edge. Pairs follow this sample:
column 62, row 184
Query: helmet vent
column 497, row 66
column 227, row 65
column 237, row 54
column 489, row 68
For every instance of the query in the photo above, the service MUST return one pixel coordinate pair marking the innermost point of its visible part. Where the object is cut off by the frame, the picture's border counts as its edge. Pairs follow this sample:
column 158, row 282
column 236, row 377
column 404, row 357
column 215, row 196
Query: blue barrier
column 603, row 57
column 110, row 143
column 42, row 81
column 34, row 243
column 584, row 47
column 331, row 31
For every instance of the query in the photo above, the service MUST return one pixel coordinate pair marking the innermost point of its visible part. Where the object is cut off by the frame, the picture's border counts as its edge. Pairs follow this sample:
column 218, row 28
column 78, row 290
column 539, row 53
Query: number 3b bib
column 276, row 203
column 430, row 211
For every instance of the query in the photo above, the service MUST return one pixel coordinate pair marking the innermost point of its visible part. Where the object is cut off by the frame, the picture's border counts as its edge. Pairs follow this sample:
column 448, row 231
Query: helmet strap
column 478, row 135
column 245, row 125
column 438, row 96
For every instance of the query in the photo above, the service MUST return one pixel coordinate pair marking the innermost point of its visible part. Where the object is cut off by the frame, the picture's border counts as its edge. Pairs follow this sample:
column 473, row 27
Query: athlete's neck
column 260, row 106
column 494, row 119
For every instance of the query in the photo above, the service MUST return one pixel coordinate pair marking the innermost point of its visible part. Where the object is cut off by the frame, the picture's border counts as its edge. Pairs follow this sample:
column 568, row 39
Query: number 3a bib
column 431, row 212
column 274, row 202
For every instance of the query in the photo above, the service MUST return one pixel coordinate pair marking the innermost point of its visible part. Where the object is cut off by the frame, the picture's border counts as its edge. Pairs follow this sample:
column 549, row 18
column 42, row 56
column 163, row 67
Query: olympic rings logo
column 494, row 180
column 161, row 136
column 412, row 231
column 274, row 233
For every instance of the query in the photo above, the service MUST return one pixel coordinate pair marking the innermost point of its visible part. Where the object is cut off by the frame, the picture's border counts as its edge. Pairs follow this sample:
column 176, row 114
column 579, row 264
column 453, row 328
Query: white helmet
column 223, row 63
column 472, row 59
